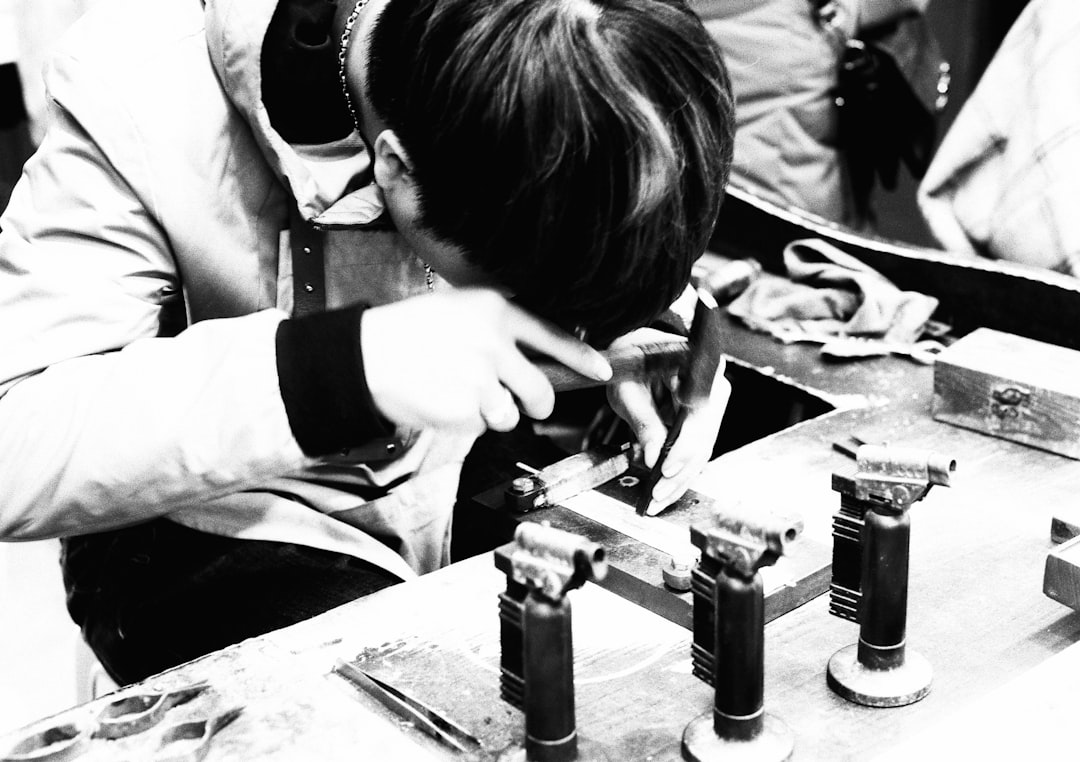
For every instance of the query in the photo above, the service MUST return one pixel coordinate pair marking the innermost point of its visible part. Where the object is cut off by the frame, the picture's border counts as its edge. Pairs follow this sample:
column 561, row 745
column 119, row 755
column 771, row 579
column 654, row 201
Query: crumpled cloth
column 832, row 294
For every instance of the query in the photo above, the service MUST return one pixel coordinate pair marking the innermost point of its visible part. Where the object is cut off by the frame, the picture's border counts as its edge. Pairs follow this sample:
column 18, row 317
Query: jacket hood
column 331, row 182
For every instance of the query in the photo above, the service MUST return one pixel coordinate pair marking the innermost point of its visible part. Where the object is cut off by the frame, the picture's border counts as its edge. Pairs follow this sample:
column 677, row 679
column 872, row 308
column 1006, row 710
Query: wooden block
column 1065, row 523
column 638, row 548
column 1010, row 387
column 1061, row 578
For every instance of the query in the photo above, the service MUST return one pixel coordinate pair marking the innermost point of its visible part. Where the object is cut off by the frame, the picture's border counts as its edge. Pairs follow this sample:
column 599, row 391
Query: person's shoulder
column 136, row 76
column 123, row 37
column 146, row 58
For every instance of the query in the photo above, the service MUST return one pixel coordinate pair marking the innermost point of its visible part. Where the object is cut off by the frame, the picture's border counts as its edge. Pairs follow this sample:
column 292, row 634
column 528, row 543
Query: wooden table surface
column 438, row 639
column 976, row 612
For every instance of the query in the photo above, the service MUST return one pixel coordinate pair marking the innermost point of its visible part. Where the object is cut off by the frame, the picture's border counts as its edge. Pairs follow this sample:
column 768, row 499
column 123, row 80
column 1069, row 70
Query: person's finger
column 693, row 447
column 696, row 438
column 527, row 383
column 700, row 429
column 534, row 333
column 633, row 402
column 499, row 410
column 667, row 491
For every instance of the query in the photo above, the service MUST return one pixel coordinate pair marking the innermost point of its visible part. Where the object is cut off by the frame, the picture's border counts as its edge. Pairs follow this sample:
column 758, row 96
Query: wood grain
column 438, row 639
column 974, row 378
column 977, row 612
column 1061, row 578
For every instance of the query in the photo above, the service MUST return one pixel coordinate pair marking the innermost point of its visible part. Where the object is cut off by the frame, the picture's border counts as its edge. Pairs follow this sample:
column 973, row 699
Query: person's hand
column 454, row 361
column 633, row 402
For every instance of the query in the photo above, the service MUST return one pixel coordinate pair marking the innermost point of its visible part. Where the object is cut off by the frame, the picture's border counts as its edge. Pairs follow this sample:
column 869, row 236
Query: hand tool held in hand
column 637, row 361
column 695, row 382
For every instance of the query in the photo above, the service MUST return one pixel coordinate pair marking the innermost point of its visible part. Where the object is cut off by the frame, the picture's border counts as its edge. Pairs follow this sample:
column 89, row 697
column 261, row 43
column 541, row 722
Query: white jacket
column 159, row 199
column 1005, row 181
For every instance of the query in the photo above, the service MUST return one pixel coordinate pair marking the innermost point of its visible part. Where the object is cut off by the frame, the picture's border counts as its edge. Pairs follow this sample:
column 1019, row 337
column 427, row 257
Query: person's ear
column 392, row 166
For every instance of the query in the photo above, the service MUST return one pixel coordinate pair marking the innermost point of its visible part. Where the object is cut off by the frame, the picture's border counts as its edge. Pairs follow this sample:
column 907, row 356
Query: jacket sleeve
column 1004, row 182
column 105, row 421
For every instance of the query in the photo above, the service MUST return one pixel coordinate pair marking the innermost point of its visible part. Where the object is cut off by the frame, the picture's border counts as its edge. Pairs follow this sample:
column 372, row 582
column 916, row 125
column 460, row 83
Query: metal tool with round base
column 586, row 751
column 899, row 685
column 729, row 640
column 700, row 742
column 873, row 529
column 536, row 639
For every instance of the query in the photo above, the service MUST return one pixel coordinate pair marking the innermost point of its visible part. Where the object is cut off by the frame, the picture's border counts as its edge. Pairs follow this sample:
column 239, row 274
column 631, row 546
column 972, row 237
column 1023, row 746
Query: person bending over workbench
column 257, row 306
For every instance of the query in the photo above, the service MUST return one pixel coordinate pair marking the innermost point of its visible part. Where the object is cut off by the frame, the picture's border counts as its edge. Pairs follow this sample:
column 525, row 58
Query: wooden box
column 1061, row 577
column 1011, row 387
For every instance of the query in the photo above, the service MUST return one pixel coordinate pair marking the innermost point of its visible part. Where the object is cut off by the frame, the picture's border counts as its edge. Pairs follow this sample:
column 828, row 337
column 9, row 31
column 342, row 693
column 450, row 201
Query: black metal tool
column 871, row 539
column 407, row 707
column 542, row 565
column 847, row 551
column 695, row 382
column 729, row 638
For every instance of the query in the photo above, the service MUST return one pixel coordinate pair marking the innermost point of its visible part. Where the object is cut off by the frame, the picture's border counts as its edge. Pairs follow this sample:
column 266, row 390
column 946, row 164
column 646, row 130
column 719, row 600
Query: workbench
column 976, row 611
column 1003, row 653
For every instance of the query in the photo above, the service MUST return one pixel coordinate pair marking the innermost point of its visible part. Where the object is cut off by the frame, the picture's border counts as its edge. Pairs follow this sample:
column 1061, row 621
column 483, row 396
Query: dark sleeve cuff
column 12, row 103
column 321, row 376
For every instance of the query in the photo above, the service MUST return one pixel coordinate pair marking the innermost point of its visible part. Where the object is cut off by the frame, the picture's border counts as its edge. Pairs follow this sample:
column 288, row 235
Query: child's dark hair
column 575, row 149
